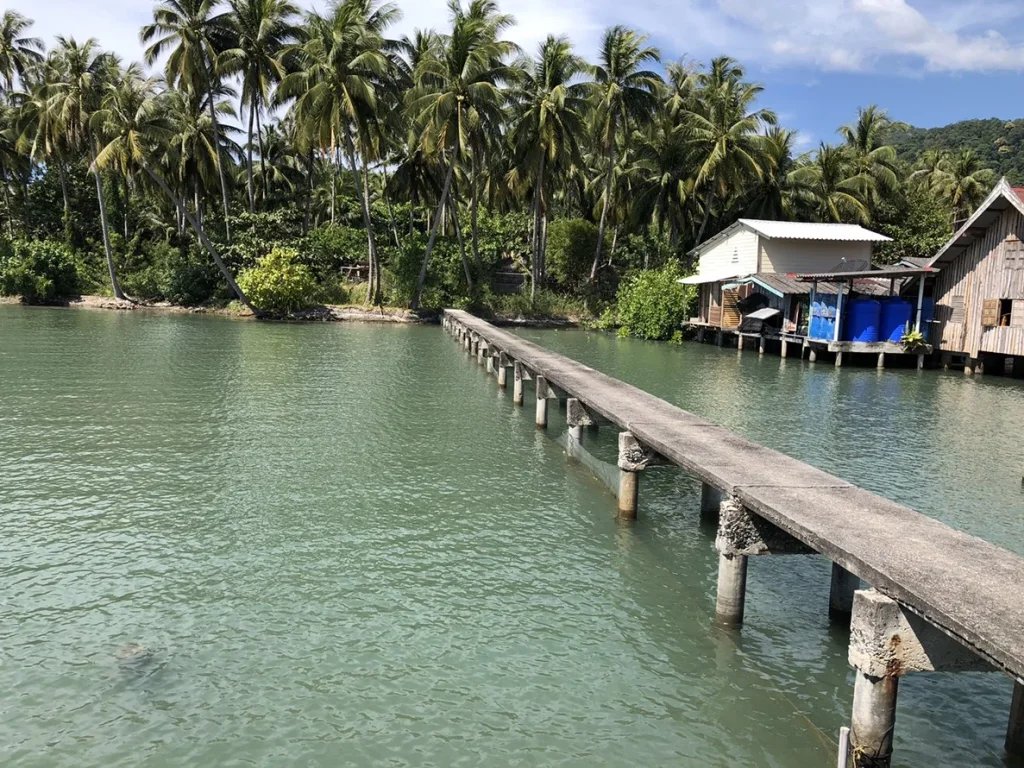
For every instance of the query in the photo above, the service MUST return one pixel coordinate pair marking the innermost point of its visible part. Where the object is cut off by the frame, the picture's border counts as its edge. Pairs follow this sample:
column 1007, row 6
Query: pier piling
column 840, row 599
column 541, row 387
column 1015, row 729
column 517, row 383
column 710, row 500
column 502, row 370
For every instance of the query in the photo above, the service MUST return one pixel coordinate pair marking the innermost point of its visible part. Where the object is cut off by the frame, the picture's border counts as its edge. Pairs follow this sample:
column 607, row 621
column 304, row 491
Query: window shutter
column 956, row 304
column 990, row 313
column 1017, row 314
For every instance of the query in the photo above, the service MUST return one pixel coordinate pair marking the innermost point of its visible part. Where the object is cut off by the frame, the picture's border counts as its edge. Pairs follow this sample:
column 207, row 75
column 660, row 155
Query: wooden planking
column 988, row 269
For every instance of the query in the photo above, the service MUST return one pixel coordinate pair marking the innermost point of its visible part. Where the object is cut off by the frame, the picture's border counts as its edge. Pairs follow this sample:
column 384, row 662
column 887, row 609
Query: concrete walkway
column 970, row 589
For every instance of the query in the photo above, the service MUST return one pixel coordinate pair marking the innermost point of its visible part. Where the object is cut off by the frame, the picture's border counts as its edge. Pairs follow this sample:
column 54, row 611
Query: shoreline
column 328, row 313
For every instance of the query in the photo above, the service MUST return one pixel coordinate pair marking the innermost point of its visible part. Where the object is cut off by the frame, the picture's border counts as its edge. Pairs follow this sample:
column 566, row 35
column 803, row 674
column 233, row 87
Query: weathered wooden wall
column 991, row 268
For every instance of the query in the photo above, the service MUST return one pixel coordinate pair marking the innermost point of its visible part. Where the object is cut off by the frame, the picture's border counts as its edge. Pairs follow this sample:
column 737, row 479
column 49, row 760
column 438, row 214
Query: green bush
column 280, row 283
column 327, row 249
column 652, row 304
column 570, row 252
column 190, row 277
column 40, row 271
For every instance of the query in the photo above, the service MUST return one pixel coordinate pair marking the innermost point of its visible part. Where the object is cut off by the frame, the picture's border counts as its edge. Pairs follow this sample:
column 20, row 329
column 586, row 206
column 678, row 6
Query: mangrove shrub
column 40, row 271
column 652, row 304
column 279, row 283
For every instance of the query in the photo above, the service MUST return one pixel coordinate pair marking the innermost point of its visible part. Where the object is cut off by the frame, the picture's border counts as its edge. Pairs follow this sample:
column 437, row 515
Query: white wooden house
column 753, row 254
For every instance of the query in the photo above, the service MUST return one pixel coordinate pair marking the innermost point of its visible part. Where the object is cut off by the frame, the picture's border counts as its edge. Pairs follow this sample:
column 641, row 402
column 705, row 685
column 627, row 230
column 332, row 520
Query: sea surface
column 228, row 543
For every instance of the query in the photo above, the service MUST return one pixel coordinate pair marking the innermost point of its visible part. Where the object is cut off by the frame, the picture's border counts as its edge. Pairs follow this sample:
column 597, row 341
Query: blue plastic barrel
column 862, row 320
column 895, row 319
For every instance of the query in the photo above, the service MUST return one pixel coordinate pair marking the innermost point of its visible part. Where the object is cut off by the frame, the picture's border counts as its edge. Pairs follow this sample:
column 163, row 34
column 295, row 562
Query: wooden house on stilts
column 979, row 292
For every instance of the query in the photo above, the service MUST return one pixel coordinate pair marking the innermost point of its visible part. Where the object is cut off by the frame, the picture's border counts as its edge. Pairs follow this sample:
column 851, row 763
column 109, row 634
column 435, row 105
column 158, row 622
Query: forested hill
column 998, row 143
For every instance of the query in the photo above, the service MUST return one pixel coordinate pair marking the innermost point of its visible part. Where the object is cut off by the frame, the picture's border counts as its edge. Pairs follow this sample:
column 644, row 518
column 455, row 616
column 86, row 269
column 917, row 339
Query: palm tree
column 548, row 107
column 81, row 73
column 625, row 97
column 664, row 165
column 263, row 30
column 343, row 66
column 773, row 197
column 833, row 186
column 866, row 140
column 195, row 35
column 964, row 183
column 135, row 123
column 728, row 131
column 18, row 53
column 456, row 97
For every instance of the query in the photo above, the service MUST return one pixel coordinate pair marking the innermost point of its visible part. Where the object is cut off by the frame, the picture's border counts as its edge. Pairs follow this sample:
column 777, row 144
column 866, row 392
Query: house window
column 1005, row 312
column 1013, row 253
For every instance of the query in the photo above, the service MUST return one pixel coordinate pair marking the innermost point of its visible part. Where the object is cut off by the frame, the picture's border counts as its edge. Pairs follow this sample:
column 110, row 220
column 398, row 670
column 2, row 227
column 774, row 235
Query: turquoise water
column 342, row 545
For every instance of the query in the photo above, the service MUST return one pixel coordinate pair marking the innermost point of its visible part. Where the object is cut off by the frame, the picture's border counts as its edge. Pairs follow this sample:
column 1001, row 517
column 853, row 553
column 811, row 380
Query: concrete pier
column 502, row 370
column 881, row 361
column 888, row 642
column 732, row 589
column 812, row 356
column 517, row 383
column 840, row 597
column 784, row 349
column 710, row 500
column 541, row 386
column 773, row 504
column 1015, row 728
column 839, row 359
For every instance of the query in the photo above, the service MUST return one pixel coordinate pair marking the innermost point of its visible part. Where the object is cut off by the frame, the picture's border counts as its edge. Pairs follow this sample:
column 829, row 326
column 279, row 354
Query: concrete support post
column 467, row 340
column 541, row 387
column 920, row 362
column 1015, row 729
column 481, row 352
column 840, row 597
column 874, row 720
column 881, row 361
column 969, row 366
column 839, row 359
column 490, row 361
column 760, row 346
column 629, row 493
column 502, row 370
column 517, row 383
column 739, row 342
column 474, row 347
column 710, row 501
column 634, row 458
column 813, row 355
column 732, row 589
column 886, row 643
column 784, row 349
column 718, row 338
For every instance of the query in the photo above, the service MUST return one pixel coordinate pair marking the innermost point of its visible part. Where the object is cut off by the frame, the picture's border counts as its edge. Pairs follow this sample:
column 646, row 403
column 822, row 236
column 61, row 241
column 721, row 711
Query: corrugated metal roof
column 804, row 230
column 783, row 285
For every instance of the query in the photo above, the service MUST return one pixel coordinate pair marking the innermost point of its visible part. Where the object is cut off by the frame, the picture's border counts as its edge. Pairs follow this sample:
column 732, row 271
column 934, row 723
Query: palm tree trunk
column 309, row 190
column 220, row 159
column 248, row 157
column 391, row 213
column 263, row 158
column 362, row 187
column 7, row 207
column 433, row 238
column 235, row 288
column 474, row 210
column 708, row 202
column 538, row 227
column 118, row 293
column 462, row 243
column 604, row 207
column 64, row 188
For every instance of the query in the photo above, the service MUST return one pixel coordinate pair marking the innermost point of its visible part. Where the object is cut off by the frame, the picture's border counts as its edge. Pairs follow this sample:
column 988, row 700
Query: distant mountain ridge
column 998, row 143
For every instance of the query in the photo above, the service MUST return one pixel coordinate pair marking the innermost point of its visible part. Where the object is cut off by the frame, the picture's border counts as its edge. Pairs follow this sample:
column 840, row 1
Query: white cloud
column 846, row 35
column 853, row 35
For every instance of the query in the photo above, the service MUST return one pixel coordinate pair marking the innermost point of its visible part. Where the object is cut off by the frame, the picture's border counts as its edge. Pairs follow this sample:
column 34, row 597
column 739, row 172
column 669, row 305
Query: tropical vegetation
column 320, row 157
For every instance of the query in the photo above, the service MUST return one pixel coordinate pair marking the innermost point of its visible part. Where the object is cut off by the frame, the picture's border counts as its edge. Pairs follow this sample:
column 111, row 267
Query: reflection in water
column 346, row 537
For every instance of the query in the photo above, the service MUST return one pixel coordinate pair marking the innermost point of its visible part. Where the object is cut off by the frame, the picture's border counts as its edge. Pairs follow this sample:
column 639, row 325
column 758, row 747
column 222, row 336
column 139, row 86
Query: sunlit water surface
column 342, row 545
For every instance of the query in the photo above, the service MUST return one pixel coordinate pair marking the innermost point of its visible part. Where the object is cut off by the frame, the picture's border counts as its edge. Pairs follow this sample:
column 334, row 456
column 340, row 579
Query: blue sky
column 929, row 62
